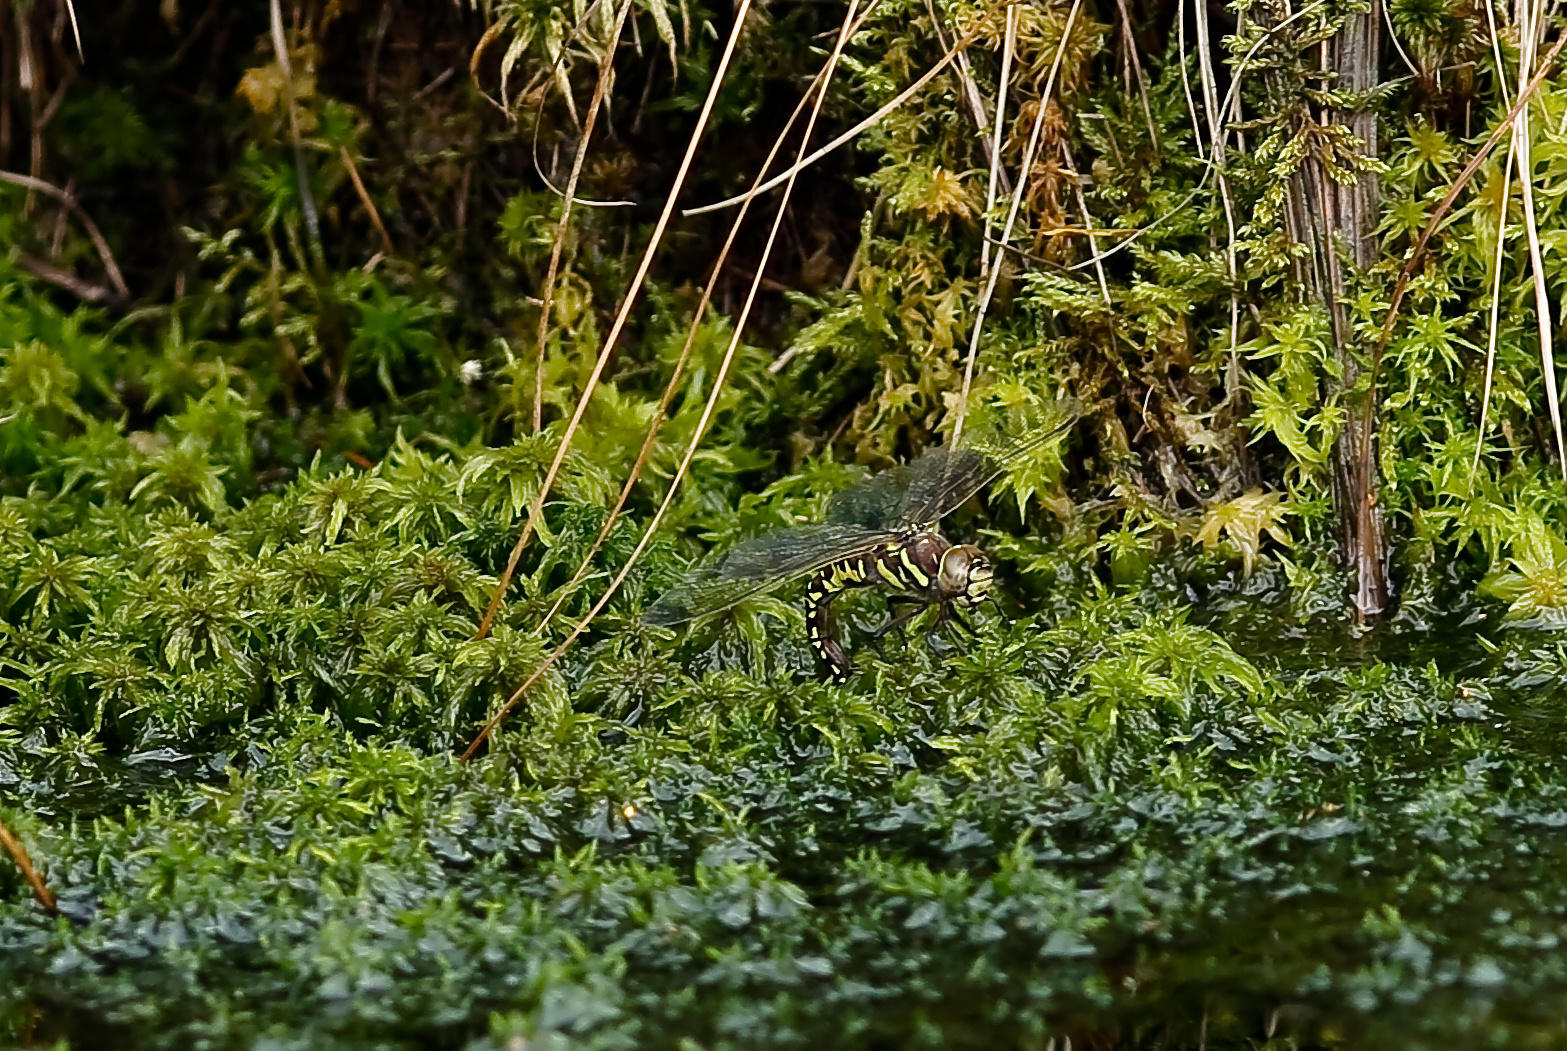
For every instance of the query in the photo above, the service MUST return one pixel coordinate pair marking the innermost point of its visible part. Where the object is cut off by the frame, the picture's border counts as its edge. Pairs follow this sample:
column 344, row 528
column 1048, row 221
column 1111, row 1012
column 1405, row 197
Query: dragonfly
column 883, row 532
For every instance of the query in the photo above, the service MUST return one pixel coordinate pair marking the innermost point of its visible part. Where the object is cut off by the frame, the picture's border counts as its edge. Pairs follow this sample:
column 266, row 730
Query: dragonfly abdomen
column 909, row 566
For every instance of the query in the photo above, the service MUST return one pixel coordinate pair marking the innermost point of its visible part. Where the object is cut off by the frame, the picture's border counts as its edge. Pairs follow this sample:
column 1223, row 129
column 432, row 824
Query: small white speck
column 470, row 371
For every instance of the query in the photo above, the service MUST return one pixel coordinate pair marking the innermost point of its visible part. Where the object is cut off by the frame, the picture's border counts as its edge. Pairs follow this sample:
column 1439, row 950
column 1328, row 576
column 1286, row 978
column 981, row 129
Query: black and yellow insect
column 880, row 533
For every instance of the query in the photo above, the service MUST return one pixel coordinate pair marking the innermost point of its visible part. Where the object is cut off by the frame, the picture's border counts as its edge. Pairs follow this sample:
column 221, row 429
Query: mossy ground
column 270, row 425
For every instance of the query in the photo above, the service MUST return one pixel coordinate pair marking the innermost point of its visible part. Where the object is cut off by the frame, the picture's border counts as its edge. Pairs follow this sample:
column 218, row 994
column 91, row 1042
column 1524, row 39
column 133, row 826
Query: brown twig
column 69, row 200
column 364, row 197
column 208, row 16
column 64, row 278
column 18, row 854
column 768, row 283
column 435, row 84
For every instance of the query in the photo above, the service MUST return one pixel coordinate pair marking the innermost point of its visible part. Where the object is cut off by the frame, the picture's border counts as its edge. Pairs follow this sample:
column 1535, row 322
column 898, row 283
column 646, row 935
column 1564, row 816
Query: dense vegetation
column 302, row 302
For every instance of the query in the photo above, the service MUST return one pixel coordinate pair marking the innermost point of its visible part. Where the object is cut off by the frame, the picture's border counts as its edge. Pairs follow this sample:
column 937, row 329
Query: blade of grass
column 1008, row 44
column 1186, row 80
column 1496, row 302
column 1501, row 239
column 1496, row 52
column 76, row 30
column 1529, row 35
column 1130, row 43
column 1216, row 137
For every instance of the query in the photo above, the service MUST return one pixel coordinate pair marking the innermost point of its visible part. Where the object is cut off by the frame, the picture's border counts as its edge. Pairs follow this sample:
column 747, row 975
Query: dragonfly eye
column 965, row 573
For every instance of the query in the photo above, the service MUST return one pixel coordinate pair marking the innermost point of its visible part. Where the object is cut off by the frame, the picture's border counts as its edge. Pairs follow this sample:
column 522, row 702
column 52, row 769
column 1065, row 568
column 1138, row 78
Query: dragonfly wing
column 943, row 480
column 759, row 565
column 920, row 494
column 940, row 481
column 874, row 503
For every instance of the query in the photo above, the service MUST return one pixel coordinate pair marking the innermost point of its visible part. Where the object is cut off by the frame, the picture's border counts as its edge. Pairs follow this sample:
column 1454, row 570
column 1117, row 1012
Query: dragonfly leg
column 957, row 640
column 895, row 623
column 944, row 621
column 941, row 619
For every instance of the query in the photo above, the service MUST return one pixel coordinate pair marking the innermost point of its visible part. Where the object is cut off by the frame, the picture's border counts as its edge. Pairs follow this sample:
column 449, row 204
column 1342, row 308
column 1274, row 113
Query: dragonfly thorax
column 966, row 574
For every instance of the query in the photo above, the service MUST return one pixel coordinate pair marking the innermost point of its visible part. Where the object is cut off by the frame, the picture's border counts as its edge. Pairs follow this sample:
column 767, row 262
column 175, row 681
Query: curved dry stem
column 1418, row 253
column 533, row 149
column 24, row 863
column 1496, row 302
column 869, row 122
column 1496, row 51
column 708, row 409
column 1186, row 79
column 307, row 199
column 110, row 267
column 1529, row 32
column 547, row 77
column 818, row 83
column 1008, row 44
column 1392, row 34
column 564, row 225
column 620, row 319
column 490, row 35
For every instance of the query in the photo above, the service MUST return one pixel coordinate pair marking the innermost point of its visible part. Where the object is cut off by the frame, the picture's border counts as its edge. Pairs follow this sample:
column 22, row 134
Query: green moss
column 1173, row 795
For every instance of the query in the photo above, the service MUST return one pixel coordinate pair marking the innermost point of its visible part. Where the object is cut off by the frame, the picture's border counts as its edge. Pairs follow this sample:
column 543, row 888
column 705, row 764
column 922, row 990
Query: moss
column 276, row 394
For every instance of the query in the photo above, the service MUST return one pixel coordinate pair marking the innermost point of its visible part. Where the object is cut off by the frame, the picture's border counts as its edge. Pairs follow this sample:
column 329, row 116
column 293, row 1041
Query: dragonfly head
column 966, row 574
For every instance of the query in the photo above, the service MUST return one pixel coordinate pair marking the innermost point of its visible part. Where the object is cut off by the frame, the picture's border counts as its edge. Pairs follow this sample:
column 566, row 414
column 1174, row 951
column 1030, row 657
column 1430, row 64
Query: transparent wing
column 941, row 481
column 924, row 492
column 872, row 504
column 759, row 565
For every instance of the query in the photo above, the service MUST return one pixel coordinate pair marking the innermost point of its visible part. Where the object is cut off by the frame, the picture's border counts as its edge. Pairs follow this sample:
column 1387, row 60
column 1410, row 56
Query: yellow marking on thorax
column 919, row 575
